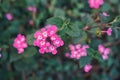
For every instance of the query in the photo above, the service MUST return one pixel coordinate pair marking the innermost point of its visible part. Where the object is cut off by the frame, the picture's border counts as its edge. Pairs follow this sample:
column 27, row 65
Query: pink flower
column 107, row 51
column 20, row 50
column 52, row 29
column 104, row 51
column 47, row 39
column 20, row 43
column 87, row 68
column 101, row 49
column 32, row 8
column 109, row 31
column 71, row 47
column 77, row 51
column 95, row 3
column 9, row 16
column 105, row 14
column 105, row 57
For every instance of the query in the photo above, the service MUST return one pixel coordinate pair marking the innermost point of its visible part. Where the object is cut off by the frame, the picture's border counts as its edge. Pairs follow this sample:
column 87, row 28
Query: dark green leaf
column 84, row 60
column 29, row 52
column 55, row 21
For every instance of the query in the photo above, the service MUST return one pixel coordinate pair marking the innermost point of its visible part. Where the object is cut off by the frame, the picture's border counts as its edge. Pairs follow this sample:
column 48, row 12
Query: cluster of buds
column 104, row 51
column 77, row 51
column 47, row 40
column 20, row 43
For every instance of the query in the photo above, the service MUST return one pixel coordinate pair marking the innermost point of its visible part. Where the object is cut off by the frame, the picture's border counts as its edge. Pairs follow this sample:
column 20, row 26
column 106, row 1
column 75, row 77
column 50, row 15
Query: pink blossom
column 95, row 3
column 77, row 51
column 105, row 57
column 109, row 31
column 78, row 46
column 32, row 8
column 71, row 47
column 87, row 67
column 105, row 14
column 42, row 50
column 52, row 29
column 20, row 43
column 104, row 51
column 47, row 39
column 9, row 16
column 107, row 51
column 101, row 49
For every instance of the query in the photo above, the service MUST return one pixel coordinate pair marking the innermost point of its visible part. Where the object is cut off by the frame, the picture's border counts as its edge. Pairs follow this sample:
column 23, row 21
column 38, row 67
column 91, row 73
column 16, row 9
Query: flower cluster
column 47, row 39
column 77, row 51
column 87, row 67
column 20, row 43
column 95, row 3
column 104, row 51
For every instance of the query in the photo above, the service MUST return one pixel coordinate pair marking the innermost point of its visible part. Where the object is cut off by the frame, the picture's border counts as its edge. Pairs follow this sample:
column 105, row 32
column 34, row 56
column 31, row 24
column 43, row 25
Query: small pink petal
column 105, row 57
column 109, row 31
column 9, row 16
column 105, row 14
column 87, row 68
column 107, row 51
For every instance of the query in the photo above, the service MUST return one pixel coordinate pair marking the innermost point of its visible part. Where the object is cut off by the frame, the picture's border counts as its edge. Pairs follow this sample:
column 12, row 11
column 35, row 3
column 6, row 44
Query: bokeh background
column 33, row 66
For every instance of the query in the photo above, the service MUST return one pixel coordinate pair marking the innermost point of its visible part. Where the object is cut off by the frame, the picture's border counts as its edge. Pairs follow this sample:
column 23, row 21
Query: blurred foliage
column 71, row 17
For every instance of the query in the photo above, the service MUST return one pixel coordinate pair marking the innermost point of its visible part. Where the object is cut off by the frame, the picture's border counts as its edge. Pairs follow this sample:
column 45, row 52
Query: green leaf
column 29, row 52
column 104, row 19
column 81, row 38
column 87, row 19
column 59, row 12
column 106, row 7
column 14, row 57
column 55, row 21
column 30, row 39
column 84, row 60
column 31, row 2
column 116, row 21
column 94, row 54
column 4, row 55
column 72, row 33
column 38, row 20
